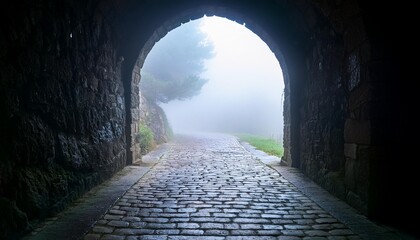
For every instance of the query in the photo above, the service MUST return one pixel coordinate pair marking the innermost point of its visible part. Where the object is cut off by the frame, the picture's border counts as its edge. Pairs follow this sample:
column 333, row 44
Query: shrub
column 146, row 139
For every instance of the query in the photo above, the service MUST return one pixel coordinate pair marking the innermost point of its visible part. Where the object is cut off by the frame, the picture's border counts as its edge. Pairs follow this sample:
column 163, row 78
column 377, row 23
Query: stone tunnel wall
column 335, row 130
column 62, row 106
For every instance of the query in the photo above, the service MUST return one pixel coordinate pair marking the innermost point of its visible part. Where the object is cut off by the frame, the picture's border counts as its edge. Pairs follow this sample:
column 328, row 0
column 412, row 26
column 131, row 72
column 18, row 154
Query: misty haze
column 238, row 82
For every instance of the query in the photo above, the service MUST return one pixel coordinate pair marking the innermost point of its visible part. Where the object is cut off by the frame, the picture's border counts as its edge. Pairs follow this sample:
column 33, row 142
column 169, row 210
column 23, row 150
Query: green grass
column 267, row 145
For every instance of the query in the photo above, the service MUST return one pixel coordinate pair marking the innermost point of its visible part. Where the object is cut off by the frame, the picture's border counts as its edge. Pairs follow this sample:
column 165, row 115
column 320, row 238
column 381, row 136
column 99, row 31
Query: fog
column 244, row 92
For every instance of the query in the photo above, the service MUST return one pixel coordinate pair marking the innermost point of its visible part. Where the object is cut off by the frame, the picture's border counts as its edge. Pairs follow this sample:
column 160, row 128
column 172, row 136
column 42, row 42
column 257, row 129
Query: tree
column 173, row 67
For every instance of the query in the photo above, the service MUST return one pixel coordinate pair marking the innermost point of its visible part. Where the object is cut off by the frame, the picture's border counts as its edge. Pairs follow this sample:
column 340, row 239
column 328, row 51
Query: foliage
column 156, row 90
column 145, row 137
column 267, row 145
column 172, row 68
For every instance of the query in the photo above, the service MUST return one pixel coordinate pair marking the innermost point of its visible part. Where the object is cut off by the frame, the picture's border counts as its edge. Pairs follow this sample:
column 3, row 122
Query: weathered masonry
column 69, row 74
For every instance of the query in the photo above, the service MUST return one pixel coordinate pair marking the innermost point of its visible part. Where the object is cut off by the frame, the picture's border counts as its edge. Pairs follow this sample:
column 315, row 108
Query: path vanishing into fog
column 210, row 187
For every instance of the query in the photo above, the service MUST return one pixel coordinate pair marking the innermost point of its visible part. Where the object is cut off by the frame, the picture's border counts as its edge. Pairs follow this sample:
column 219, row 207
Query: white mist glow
column 245, row 88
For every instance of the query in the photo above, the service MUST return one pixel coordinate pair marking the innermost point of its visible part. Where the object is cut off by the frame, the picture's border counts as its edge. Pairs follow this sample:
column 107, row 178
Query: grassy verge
column 267, row 145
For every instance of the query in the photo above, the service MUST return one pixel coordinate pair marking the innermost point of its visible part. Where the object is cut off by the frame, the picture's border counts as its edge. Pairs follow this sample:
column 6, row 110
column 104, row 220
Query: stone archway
column 160, row 33
column 319, row 49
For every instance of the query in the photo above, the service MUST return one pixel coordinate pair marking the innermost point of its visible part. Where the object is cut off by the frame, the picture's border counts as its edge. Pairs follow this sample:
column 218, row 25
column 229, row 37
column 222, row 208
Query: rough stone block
column 136, row 69
column 357, row 131
column 349, row 177
column 359, row 96
column 350, row 150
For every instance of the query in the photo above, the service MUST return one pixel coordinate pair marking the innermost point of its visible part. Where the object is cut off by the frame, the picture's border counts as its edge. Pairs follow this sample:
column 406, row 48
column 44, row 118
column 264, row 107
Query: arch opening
column 279, row 88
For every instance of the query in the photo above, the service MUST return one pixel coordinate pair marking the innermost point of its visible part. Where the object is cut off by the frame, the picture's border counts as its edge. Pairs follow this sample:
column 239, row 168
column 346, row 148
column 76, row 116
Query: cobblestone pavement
column 210, row 187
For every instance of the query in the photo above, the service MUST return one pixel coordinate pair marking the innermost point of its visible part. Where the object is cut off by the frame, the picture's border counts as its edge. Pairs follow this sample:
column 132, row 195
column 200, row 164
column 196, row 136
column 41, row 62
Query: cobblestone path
column 210, row 187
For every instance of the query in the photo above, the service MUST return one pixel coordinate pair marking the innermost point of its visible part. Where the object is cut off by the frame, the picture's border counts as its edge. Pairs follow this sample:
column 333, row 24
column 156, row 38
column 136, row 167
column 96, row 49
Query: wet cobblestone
column 210, row 187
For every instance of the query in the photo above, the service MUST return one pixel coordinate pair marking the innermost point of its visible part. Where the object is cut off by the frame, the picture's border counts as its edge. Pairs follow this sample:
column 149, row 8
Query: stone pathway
column 210, row 187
